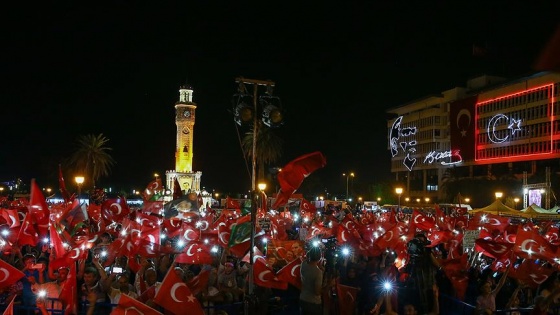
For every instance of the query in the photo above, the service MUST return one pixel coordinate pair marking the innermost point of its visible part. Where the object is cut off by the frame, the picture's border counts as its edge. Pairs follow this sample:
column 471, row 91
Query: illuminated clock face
column 186, row 131
column 187, row 113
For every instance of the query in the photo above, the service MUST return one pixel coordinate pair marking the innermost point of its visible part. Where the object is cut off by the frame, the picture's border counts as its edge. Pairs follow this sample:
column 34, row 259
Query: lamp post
column 245, row 114
column 498, row 194
column 347, row 177
column 516, row 200
column 399, row 192
column 1, row 191
column 79, row 180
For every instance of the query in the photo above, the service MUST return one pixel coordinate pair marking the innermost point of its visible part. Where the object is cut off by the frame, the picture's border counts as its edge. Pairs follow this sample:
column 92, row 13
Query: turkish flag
column 70, row 257
column 265, row 277
column 27, row 234
column 56, row 241
column 175, row 296
column 344, row 236
column 493, row 248
column 346, row 298
column 293, row 174
column 490, row 221
column 151, row 193
column 291, row 273
column 9, row 274
column 131, row 306
column 172, row 227
column 11, row 217
column 195, row 253
column 62, row 186
column 531, row 245
column 68, row 292
column 390, row 239
column 438, row 237
column 552, row 235
column 257, row 255
column 114, row 209
column 10, row 308
column 38, row 209
column 200, row 282
column 456, row 271
column 153, row 206
column 422, row 221
column 531, row 273
column 307, row 207
column 462, row 128
column 232, row 203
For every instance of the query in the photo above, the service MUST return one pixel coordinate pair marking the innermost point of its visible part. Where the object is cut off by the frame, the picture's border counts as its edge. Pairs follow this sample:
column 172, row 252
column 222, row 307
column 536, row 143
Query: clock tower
column 184, row 151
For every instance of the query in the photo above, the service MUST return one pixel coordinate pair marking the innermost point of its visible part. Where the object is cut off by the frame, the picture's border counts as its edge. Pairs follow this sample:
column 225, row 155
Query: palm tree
column 268, row 148
column 91, row 156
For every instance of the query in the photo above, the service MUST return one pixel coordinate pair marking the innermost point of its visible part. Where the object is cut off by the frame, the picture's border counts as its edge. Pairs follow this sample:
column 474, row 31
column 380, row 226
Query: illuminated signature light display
column 409, row 147
column 513, row 124
column 435, row 156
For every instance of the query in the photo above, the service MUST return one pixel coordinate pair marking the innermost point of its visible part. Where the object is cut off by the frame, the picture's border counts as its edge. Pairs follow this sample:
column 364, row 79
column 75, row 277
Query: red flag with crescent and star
column 291, row 273
column 462, row 128
column 265, row 277
column 347, row 296
column 531, row 245
column 9, row 274
column 531, row 273
column 175, row 296
column 131, row 306
column 10, row 308
column 200, row 282
column 62, row 186
column 293, row 174
column 38, row 209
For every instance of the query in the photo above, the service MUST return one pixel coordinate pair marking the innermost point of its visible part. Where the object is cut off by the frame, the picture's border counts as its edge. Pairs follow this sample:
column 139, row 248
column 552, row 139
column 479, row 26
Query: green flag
column 239, row 233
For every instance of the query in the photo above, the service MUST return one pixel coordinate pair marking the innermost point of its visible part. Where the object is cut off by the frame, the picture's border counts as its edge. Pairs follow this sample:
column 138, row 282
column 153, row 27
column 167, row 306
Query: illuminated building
column 490, row 123
column 185, row 116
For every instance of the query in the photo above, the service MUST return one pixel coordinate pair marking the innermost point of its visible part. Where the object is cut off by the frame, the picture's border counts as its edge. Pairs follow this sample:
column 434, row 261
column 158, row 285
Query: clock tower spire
column 184, row 151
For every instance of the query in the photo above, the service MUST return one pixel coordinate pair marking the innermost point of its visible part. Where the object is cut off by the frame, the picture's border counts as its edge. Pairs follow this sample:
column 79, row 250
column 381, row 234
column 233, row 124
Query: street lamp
column 467, row 200
column 516, row 200
column 399, row 192
column 498, row 194
column 245, row 114
column 79, row 180
column 347, row 177
column 1, row 190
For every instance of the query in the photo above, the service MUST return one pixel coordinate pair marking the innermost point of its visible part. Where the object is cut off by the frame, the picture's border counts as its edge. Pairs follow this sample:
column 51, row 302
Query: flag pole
column 250, row 300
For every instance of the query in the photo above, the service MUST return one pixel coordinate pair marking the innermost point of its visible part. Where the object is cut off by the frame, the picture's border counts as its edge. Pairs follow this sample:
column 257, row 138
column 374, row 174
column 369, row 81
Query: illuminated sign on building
column 512, row 124
column 516, row 126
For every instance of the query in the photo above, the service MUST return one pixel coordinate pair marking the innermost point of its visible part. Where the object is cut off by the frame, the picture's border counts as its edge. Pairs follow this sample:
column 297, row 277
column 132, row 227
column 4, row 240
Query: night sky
column 70, row 70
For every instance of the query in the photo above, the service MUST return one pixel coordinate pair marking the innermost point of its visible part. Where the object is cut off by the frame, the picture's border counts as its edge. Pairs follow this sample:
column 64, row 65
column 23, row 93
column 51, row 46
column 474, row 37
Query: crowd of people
column 381, row 288
column 334, row 277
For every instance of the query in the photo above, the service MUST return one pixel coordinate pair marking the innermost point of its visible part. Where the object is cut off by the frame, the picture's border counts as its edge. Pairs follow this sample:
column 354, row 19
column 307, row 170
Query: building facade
column 490, row 123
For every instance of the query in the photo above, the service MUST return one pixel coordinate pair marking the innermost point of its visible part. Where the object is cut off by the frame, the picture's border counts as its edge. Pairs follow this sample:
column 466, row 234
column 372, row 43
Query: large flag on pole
column 292, row 175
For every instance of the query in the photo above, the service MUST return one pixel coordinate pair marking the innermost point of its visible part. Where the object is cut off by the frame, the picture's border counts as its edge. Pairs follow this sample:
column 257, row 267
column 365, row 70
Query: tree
column 91, row 157
column 268, row 148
